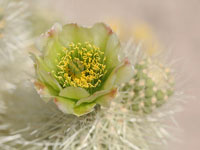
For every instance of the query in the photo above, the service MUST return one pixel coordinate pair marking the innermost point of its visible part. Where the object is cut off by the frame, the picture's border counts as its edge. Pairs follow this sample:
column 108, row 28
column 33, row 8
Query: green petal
column 124, row 73
column 53, row 51
column 68, row 34
column 84, row 109
column 109, row 83
column 48, row 79
column 121, row 74
column 39, row 62
column 84, row 35
column 107, row 41
column 74, row 33
column 65, row 105
column 93, row 97
column 107, row 98
column 111, row 51
column 44, row 75
column 74, row 93
column 100, row 34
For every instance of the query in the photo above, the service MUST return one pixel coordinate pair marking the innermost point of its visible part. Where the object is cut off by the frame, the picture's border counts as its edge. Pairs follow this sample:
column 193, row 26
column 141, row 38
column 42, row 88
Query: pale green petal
column 68, row 34
column 108, row 42
column 65, row 105
column 107, row 98
column 44, row 74
column 74, row 33
column 84, row 35
column 74, row 93
column 120, row 74
column 112, row 50
column 48, row 79
column 84, row 109
column 93, row 97
column 124, row 73
column 109, row 83
column 53, row 51
column 39, row 62
column 100, row 34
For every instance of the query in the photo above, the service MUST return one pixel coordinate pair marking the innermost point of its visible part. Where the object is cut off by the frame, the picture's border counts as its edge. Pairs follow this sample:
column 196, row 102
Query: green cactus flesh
column 150, row 87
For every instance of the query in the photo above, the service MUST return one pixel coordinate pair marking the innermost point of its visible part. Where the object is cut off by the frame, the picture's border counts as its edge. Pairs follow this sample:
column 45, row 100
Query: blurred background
column 174, row 22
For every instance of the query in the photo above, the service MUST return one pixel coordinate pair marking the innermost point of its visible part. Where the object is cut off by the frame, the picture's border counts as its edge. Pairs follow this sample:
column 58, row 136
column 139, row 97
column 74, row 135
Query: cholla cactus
column 150, row 87
column 79, row 67
column 27, row 122
column 33, row 124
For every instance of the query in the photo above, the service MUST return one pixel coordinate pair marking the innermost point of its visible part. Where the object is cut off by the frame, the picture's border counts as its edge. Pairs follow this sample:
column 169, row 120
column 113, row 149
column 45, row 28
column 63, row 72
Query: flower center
column 82, row 65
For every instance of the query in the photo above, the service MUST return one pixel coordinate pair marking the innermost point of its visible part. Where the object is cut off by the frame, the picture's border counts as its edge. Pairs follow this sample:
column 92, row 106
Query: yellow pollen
column 81, row 65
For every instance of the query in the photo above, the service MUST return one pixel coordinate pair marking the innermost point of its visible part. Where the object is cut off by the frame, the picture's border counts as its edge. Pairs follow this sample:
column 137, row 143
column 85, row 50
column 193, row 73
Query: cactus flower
column 79, row 68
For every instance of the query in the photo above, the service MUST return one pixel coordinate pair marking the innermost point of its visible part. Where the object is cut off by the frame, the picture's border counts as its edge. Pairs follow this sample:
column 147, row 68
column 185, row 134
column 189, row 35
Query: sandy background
column 176, row 22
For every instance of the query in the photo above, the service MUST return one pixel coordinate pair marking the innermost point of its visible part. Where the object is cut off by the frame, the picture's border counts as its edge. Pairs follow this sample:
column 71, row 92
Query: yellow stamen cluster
column 81, row 65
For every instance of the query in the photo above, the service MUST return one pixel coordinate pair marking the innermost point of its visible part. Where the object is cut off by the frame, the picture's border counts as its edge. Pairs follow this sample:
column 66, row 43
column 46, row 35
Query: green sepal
column 106, row 99
column 93, row 97
column 84, row 108
column 65, row 105
column 74, row 93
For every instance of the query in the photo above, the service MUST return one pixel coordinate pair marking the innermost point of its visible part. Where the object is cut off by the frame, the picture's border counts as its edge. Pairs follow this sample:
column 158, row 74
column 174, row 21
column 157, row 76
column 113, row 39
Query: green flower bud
column 152, row 86
column 79, row 67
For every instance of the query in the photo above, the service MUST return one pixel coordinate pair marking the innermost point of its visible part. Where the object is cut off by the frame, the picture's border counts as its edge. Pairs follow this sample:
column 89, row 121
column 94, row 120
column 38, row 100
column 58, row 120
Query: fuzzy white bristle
column 13, row 43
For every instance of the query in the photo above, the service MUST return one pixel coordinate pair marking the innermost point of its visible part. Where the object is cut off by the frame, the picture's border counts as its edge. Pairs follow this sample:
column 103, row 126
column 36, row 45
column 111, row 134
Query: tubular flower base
column 79, row 67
